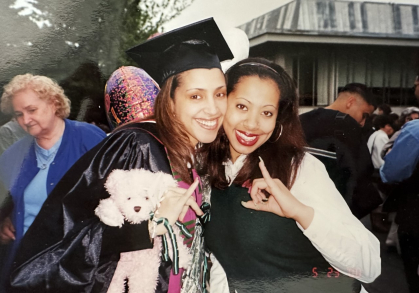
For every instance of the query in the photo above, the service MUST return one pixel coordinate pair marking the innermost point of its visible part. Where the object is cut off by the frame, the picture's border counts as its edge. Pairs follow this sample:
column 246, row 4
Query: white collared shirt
column 233, row 169
column 376, row 143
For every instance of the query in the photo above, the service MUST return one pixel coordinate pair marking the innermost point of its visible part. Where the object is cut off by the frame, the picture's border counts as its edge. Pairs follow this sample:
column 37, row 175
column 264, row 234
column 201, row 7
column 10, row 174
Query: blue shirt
column 36, row 192
column 402, row 160
column 18, row 167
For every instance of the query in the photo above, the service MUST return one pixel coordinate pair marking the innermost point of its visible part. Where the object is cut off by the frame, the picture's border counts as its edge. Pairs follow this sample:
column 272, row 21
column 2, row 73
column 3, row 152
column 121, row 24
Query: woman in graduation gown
column 293, row 233
column 68, row 249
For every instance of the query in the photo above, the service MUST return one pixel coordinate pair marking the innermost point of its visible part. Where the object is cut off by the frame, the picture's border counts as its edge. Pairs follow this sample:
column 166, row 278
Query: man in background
column 335, row 132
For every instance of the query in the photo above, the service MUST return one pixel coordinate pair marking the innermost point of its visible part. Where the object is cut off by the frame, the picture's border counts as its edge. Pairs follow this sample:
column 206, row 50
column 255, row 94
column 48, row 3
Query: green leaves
column 143, row 18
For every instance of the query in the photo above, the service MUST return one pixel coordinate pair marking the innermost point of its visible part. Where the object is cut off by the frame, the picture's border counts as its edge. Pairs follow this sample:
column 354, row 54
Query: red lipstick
column 245, row 138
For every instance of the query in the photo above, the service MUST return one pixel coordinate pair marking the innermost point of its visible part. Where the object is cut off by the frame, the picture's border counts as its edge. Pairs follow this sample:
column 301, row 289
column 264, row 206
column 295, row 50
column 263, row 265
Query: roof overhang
column 322, row 39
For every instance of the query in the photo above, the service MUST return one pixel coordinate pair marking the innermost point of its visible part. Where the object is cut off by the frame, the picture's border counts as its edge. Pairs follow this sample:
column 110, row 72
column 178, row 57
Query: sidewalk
column 392, row 278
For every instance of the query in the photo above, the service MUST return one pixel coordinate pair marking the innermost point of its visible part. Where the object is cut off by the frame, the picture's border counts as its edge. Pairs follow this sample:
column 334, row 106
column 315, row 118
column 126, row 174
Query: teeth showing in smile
column 246, row 138
column 208, row 123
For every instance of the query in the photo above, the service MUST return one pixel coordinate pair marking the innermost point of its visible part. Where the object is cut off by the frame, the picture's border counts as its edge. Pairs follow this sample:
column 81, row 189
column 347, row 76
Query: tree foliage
column 79, row 43
column 143, row 18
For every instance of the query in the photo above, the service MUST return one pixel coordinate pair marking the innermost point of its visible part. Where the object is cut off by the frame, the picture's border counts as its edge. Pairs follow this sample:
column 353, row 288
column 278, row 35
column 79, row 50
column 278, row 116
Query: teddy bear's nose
column 137, row 209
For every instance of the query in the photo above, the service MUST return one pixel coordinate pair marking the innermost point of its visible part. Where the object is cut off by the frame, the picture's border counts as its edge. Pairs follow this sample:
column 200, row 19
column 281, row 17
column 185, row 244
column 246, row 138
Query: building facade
column 326, row 44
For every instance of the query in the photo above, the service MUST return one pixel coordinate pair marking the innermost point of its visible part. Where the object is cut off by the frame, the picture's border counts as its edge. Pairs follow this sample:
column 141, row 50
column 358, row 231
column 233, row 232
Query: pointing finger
column 265, row 173
column 192, row 188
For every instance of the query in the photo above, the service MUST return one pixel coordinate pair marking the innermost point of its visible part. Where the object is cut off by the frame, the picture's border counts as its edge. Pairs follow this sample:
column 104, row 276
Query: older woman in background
column 31, row 168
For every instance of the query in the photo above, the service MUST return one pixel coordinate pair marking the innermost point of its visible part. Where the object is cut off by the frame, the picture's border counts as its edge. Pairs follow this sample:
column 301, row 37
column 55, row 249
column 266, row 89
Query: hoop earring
column 280, row 133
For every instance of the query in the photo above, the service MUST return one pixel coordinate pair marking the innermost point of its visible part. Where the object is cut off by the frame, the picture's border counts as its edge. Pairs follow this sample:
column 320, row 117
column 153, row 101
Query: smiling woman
column 200, row 103
column 188, row 110
column 252, row 119
column 278, row 224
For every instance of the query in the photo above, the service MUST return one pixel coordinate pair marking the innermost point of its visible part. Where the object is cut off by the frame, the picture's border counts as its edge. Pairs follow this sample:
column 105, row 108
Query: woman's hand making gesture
column 281, row 202
column 175, row 204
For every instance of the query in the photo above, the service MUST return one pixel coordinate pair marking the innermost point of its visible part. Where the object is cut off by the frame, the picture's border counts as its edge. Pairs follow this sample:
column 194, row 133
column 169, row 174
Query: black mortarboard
column 198, row 45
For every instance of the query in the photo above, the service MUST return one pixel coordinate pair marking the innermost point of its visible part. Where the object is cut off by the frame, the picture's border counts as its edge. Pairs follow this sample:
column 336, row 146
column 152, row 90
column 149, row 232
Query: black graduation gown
column 67, row 248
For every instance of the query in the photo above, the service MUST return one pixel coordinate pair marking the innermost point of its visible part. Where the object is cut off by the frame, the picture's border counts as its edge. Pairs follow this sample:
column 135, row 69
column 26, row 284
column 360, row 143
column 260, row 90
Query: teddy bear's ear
column 109, row 214
column 115, row 178
column 161, row 182
column 166, row 181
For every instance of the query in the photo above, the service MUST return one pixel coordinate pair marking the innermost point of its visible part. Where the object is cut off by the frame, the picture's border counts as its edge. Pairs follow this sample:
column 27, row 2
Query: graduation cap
column 198, row 45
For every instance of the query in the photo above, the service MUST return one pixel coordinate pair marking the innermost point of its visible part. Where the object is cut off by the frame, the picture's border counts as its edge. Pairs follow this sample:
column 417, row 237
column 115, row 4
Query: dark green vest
column 262, row 252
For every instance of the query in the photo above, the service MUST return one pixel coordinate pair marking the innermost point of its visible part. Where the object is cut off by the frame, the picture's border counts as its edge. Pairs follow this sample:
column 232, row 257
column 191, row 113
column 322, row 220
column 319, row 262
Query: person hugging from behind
column 129, row 94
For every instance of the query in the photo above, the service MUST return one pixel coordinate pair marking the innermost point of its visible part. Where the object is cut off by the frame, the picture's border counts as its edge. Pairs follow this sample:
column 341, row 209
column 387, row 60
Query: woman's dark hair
column 395, row 121
column 385, row 108
column 380, row 121
column 171, row 130
column 283, row 156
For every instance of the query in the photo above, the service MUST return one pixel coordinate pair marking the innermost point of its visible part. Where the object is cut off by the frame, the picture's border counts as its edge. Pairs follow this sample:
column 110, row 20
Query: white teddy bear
column 134, row 195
